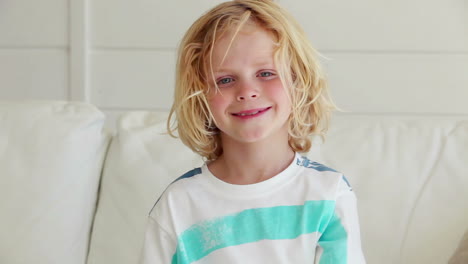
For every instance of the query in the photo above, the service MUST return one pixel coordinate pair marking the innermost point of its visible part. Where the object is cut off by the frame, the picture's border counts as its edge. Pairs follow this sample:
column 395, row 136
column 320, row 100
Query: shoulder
column 188, row 174
column 175, row 189
column 307, row 163
column 181, row 183
column 329, row 179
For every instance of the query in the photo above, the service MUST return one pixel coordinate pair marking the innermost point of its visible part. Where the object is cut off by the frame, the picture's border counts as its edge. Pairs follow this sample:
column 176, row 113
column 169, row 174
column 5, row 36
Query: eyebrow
column 260, row 64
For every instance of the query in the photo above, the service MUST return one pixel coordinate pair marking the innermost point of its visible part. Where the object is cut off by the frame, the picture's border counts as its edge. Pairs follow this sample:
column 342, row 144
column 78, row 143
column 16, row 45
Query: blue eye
column 225, row 81
column 266, row 74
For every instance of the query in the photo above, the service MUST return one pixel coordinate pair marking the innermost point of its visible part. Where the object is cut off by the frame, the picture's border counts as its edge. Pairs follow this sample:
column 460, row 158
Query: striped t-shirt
column 305, row 214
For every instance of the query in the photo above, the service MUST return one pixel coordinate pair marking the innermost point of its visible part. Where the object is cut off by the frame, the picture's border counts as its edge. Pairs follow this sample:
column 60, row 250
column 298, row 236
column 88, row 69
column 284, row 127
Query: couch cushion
column 141, row 162
column 51, row 155
column 411, row 179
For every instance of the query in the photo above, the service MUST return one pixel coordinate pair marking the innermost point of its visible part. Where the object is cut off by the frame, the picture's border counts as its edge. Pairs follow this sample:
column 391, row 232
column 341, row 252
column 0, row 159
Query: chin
column 261, row 136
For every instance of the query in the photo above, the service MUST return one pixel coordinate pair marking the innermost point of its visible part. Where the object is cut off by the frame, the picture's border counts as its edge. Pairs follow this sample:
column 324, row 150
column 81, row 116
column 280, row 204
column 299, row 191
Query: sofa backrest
column 51, row 156
column 141, row 162
column 410, row 175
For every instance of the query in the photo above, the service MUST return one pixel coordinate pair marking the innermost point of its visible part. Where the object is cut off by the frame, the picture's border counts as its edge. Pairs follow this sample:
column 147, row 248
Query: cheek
column 217, row 103
column 276, row 86
column 280, row 94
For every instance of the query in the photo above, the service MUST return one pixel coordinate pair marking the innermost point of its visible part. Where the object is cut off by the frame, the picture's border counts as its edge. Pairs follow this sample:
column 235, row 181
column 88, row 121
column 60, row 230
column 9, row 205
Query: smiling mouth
column 252, row 112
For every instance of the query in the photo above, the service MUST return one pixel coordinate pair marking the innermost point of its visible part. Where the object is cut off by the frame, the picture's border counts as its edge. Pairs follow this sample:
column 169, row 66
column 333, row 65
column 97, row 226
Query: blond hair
column 295, row 59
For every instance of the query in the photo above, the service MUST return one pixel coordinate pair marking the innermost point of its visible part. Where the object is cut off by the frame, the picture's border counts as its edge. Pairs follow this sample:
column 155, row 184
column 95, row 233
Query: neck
column 249, row 163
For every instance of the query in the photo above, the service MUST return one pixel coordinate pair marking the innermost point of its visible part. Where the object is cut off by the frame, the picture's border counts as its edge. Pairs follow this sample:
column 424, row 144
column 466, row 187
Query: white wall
column 384, row 57
column 33, row 49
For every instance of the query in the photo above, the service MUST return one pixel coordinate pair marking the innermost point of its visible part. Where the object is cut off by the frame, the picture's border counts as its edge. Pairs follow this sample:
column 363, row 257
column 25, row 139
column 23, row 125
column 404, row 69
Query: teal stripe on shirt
column 334, row 242
column 280, row 222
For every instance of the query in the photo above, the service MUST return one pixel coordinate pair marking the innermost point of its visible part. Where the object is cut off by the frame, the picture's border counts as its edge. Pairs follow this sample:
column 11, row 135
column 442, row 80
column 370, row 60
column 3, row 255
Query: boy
column 249, row 94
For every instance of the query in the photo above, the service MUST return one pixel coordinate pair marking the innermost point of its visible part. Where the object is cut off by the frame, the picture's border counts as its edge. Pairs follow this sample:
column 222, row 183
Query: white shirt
column 305, row 214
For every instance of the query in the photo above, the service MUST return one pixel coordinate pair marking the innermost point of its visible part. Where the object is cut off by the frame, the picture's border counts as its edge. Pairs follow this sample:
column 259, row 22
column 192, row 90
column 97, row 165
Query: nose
column 247, row 92
column 245, row 97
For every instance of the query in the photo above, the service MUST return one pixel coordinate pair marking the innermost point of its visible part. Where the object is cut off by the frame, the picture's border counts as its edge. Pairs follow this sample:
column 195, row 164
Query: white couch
column 73, row 193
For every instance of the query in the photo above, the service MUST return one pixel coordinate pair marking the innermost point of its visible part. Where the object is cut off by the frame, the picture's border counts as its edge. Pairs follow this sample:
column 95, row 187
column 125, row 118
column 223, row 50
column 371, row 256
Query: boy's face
column 251, row 103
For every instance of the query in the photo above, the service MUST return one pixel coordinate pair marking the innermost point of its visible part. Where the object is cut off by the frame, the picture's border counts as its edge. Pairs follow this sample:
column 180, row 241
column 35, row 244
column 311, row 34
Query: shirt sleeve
column 340, row 242
column 159, row 245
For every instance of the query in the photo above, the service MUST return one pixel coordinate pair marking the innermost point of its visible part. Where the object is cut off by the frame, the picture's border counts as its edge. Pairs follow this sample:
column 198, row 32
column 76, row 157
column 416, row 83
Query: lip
column 251, row 113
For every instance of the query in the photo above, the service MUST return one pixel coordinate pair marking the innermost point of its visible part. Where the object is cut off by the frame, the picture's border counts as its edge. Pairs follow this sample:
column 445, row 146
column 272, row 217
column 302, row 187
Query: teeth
column 248, row 114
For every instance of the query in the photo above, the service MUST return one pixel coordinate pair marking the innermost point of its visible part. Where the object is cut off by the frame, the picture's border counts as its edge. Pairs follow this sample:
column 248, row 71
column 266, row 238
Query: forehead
column 247, row 44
